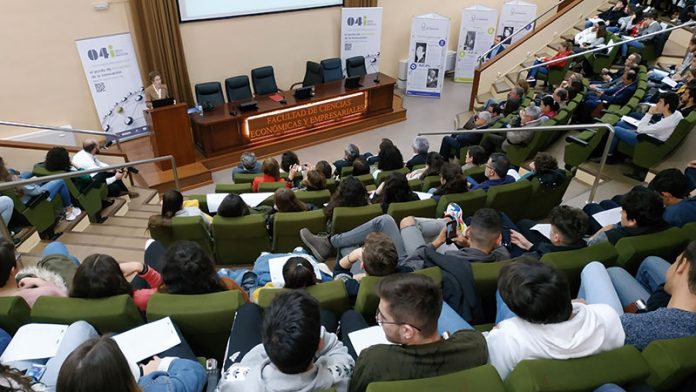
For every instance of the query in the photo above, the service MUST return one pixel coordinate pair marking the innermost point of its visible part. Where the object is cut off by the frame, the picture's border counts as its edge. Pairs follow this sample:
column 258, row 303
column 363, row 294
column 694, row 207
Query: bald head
column 90, row 145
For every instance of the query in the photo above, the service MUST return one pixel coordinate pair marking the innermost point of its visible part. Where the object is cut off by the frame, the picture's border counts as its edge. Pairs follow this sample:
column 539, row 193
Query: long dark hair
column 287, row 201
column 350, row 193
column 57, row 159
column 172, row 202
column 96, row 365
column 233, row 206
column 189, row 270
column 99, row 276
column 454, row 181
column 395, row 190
column 390, row 158
column 433, row 163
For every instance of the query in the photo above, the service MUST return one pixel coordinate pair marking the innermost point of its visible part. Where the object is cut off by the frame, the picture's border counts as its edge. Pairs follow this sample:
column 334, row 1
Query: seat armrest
column 642, row 137
column 573, row 139
column 34, row 201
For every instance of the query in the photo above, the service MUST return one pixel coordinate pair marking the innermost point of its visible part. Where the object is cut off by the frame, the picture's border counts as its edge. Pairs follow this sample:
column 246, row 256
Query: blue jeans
column 503, row 312
column 57, row 247
column 56, row 187
column 450, row 321
column 6, row 208
column 534, row 71
column 596, row 287
column 4, row 340
column 457, row 141
column 690, row 173
column 627, row 135
column 350, row 240
column 634, row 44
column 650, row 275
column 656, row 75
column 614, row 29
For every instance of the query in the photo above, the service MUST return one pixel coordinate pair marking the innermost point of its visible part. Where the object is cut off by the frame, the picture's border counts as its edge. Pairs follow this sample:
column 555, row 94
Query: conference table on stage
column 227, row 128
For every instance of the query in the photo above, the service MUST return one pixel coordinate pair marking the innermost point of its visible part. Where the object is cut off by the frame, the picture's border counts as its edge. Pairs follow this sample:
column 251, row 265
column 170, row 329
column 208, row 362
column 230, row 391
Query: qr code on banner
column 100, row 87
column 348, row 46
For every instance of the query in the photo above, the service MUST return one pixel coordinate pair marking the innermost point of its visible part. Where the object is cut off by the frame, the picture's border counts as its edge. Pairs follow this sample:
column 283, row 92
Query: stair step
column 580, row 26
column 138, row 232
column 111, row 210
column 139, row 214
column 528, row 63
column 125, row 221
column 82, row 251
column 556, row 46
column 30, row 260
column 501, row 87
column 155, row 209
column 569, row 36
column 116, row 241
column 146, row 195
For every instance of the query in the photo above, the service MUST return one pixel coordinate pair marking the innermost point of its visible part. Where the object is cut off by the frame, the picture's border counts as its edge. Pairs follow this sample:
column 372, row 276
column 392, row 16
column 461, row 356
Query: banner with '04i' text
column 111, row 69
column 361, row 35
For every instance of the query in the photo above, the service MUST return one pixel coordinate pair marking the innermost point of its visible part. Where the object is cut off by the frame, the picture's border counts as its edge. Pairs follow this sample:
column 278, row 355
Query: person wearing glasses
column 408, row 311
column 497, row 169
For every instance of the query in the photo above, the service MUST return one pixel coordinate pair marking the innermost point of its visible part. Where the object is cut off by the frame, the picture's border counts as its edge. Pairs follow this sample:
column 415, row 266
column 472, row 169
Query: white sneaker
column 72, row 215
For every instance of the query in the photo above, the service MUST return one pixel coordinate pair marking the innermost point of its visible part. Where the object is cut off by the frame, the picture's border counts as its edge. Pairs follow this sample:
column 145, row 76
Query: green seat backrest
column 571, row 262
column 41, row 215
column 646, row 154
column 14, row 312
column 477, row 173
column 415, row 185
column 486, row 282
column 470, row 202
column 572, row 105
column 270, row 186
column 89, row 201
column 666, row 244
column 419, row 208
column 113, row 314
column 545, row 198
column 331, row 296
column 192, row 228
column 237, row 188
column 331, row 185
column 482, row 378
column 671, row 362
column 689, row 230
column 383, row 174
column 346, row 171
column 509, row 197
column 367, row 300
column 243, row 178
column 287, row 225
column 240, row 240
column 202, row 202
column 430, row 182
column 621, row 366
column 347, row 218
column 366, row 179
column 318, row 198
column 205, row 320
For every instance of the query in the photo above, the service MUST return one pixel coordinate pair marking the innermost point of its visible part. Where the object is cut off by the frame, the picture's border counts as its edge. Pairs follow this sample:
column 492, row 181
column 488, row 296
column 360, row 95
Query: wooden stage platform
column 199, row 173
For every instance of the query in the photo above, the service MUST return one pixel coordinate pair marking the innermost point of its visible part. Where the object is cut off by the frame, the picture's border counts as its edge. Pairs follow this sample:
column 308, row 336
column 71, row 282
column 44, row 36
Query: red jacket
column 265, row 178
column 560, row 63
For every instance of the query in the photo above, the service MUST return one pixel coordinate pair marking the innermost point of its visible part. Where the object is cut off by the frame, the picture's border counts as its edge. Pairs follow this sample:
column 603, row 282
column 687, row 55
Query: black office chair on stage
column 209, row 94
column 313, row 76
column 355, row 66
column 332, row 69
column 263, row 80
column 238, row 88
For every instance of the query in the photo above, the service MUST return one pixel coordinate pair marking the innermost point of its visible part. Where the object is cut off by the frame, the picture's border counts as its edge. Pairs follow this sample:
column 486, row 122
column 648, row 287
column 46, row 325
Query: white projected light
column 211, row 9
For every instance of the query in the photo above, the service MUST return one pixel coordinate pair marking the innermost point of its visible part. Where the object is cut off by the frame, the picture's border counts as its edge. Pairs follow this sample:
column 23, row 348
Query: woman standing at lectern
column 156, row 90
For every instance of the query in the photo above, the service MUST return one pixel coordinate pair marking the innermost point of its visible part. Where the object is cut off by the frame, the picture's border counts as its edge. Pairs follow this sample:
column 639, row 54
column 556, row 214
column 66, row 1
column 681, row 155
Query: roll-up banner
column 427, row 53
column 361, row 35
column 516, row 15
column 476, row 35
column 111, row 69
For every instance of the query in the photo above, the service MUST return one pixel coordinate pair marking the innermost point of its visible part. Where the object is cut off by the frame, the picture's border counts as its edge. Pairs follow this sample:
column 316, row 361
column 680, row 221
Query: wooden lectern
column 170, row 134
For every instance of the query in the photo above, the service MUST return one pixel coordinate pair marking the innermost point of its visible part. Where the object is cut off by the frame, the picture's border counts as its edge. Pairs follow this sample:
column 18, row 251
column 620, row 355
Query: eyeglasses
column 380, row 321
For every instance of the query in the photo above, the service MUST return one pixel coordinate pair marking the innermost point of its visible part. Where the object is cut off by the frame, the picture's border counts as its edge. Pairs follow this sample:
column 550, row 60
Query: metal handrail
column 549, row 128
column 60, row 129
column 610, row 46
column 5, row 185
column 482, row 57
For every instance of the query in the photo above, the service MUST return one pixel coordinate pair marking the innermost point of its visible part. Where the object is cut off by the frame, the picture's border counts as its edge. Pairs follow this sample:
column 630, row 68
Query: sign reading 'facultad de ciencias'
column 302, row 117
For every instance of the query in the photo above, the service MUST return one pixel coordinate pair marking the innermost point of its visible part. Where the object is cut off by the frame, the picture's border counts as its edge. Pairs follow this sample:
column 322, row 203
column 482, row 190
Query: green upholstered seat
column 240, row 240
column 113, row 314
column 486, row 282
column 689, row 230
column 90, row 200
column 545, row 198
column 383, row 174
column 287, row 225
column 470, row 202
column 243, row 187
column 318, row 198
column 670, row 361
column 202, row 201
column 509, row 198
column 193, row 228
column 331, row 296
column 347, row 218
column 482, row 378
column 205, row 320
column 14, row 312
column 667, row 244
column 367, row 300
column 477, row 173
column 346, row 171
column 621, row 366
column 555, row 75
column 270, row 186
column 243, row 178
column 366, row 179
column 331, row 185
column 419, row 208
column 430, row 182
column 571, row 262
column 38, row 211
column 415, row 185
column 600, row 59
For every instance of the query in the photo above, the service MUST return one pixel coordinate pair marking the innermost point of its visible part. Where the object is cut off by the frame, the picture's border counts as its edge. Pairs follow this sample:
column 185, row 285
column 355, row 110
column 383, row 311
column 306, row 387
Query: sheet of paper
column 630, row 120
column 34, row 341
column 543, row 228
column 147, row 340
column 608, row 217
column 668, row 81
column 275, row 266
column 254, row 199
column 214, row 200
column 367, row 337
column 424, row 195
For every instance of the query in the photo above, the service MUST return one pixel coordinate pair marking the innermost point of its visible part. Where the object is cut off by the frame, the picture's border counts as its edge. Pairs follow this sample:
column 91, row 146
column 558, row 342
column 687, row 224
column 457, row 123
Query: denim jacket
column 183, row 375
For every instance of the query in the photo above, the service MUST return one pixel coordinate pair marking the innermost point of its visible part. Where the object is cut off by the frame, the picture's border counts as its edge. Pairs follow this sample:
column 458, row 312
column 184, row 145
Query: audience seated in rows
column 672, row 185
column 349, row 193
column 496, row 171
column 475, row 157
column 680, row 71
column 433, row 164
column 609, row 79
column 394, row 189
column 451, row 181
column 566, row 50
column 247, row 164
column 350, row 153
column 568, row 227
column 86, row 159
column 480, row 120
column 611, row 16
column 271, row 173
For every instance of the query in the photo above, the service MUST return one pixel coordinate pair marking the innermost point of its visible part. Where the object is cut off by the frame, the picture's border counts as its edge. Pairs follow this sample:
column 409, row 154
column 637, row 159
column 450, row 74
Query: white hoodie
column 591, row 329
